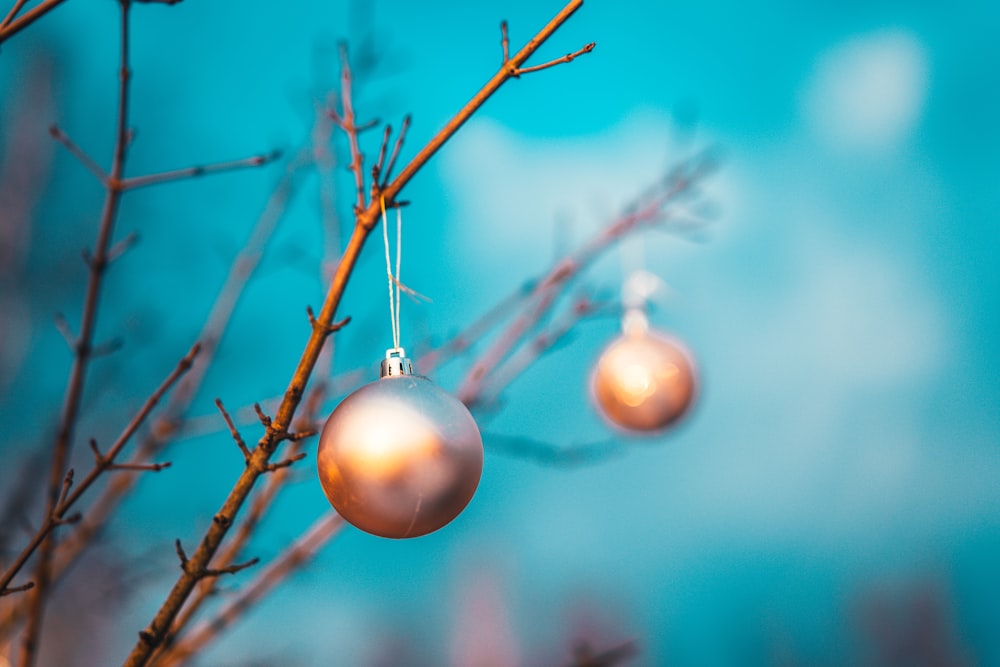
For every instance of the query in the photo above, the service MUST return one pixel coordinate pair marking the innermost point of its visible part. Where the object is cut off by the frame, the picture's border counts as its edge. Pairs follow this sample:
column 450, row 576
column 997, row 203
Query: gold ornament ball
column 643, row 381
column 400, row 457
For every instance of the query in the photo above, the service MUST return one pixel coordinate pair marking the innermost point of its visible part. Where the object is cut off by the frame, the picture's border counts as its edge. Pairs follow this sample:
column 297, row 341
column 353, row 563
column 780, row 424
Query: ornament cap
column 395, row 364
column 635, row 322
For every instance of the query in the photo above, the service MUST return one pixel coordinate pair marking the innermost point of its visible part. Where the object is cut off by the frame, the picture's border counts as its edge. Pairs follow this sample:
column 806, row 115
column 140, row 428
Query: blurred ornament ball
column 400, row 457
column 644, row 381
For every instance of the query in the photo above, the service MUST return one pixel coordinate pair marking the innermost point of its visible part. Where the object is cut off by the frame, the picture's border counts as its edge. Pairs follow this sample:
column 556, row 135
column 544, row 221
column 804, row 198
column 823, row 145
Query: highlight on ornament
column 400, row 457
column 644, row 381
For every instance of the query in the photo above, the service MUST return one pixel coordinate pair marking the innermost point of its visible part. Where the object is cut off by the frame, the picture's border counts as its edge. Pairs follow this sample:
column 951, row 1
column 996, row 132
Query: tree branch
column 167, row 425
column 365, row 221
column 74, row 389
column 102, row 463
column 650, row 211
column 293, row 558
column 79, row 154
column 558, row 61
column 13, row 26
column 199, row 170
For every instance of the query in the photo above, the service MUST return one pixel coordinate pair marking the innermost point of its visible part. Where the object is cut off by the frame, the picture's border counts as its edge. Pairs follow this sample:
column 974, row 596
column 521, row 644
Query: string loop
column 394, row 284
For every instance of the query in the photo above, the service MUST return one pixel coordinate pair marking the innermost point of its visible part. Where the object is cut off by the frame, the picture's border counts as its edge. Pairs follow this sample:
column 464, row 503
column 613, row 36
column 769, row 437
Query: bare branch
column 230, row 569
column 74, row 391
column 395, row 150
column 141, row 467
column 12, row 14
column 326, row 328
column 181, row 554
column 17, row 25
column 265, row 421
column 558, row 61
column 200, row 170
column 79, row 154
column 62, row 326
column 504, row 42
column 123, row 246
column 548, row 289
column 102, row 462
column 17, row 589
column 261, row 502
column 233, row 431
column 271, row 467
column 365, row 220
column 106, row 348
column 346, row 121
column 292, row 559
column 380, row 162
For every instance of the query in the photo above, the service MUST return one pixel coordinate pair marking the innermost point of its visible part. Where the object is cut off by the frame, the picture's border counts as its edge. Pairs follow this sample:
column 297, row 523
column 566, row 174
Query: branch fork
column 516, row 71
column 326, row 329
column 205, row 572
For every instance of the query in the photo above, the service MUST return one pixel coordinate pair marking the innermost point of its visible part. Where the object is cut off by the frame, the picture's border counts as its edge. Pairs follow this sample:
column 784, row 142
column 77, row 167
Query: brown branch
column 123, row 246
column 292, row 559
column 167, row 425
column 14, row 26
column 462, row 341
column 261, row 503
column 88, row 162
column 365, row 221
column 204, row 573
column 12, row 14
column 74, row 389
column 325, row 164
column 199, row 170
column 233, row 431
column 504, row 42
column 285, row 463
column 505, row 374
column 346, row 121
column 17, row 589
column 141, row 467
column 547, row 290
column 380, row 162
column 102, row 463
column 558, row 61
column 395, row 150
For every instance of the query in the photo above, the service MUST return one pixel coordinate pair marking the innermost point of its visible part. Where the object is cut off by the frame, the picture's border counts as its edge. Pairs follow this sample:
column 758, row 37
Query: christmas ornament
column 399, row 457
column 644, row 381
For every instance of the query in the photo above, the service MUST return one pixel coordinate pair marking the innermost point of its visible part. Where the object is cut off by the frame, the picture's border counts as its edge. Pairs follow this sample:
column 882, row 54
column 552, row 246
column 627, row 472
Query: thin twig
column 346, row 120
column 12, row 14
column 17, row 25
column 233, row 431
column 395, row 151
column 261, row 503
column 59, row 135
column 365, row 220
column 103, row 463
column 199, row 170
column 292, row 559
column 569, row 57
column 505, row 374
column 74, row 389
column 547, row 290
column 168, row 423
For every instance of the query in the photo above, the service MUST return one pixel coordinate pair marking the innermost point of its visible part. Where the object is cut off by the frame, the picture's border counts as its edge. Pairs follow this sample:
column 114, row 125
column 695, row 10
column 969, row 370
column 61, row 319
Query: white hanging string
column 394, row 284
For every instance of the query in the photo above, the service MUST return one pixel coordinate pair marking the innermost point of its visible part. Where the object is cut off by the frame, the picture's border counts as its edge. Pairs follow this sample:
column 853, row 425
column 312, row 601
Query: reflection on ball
column 400, row 457
column 643, row 381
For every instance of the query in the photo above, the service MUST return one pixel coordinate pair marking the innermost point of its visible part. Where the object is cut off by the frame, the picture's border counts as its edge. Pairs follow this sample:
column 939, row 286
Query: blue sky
column 843, row 311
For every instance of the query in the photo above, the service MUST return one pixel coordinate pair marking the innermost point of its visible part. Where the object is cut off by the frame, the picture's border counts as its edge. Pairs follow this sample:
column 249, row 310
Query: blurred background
column 833, row 499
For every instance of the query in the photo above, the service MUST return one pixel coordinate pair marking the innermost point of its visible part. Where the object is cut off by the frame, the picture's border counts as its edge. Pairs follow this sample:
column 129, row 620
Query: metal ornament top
column 395, row 364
